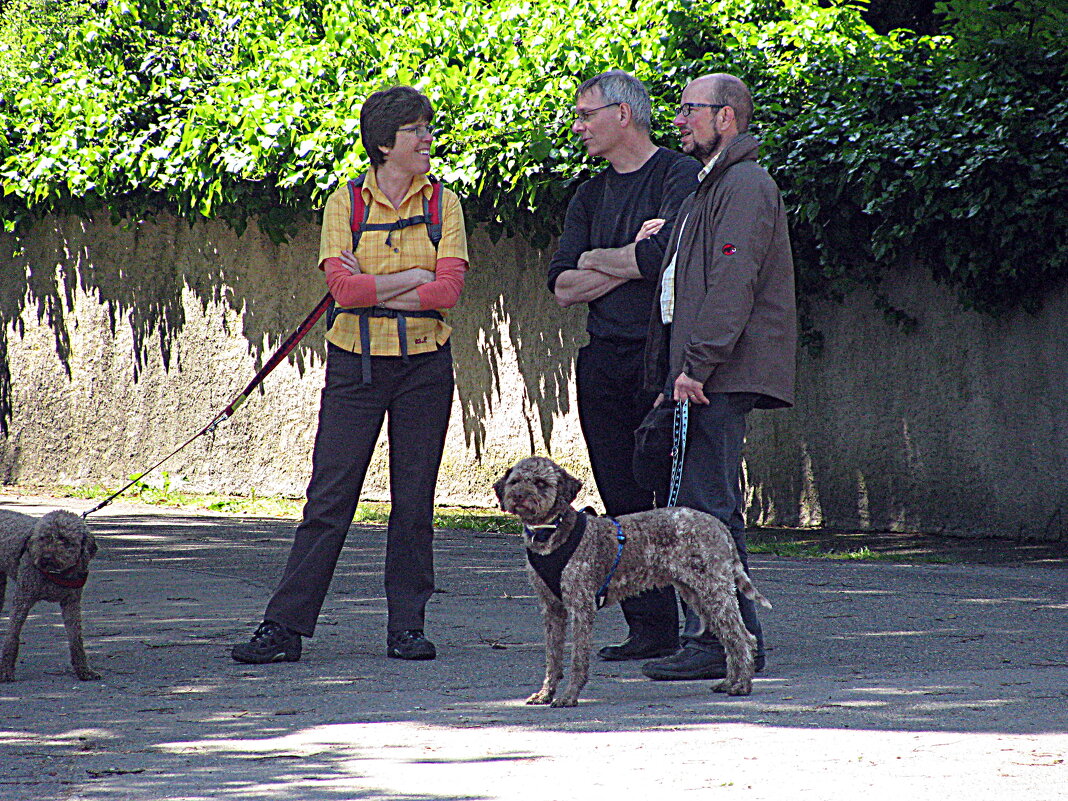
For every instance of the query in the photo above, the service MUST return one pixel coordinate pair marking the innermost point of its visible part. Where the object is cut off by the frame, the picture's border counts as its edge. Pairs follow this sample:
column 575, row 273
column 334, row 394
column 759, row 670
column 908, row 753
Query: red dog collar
column 60, row 580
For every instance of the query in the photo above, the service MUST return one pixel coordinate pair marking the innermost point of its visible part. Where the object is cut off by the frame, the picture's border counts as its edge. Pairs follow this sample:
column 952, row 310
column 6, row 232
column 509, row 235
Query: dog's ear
column 567, row 486
column 89, row 545
column 498, row 486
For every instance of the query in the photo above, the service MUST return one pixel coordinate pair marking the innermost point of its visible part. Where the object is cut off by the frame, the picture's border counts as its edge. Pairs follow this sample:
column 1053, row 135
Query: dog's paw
column 733, row 687
column 540, row 697
column 87, row 674
column 565, row 701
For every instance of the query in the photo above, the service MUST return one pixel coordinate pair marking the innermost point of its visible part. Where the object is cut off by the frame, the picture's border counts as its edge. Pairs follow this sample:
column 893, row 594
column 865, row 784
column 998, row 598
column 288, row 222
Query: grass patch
column 796, row 544
column 446, row 517
column 809, row 549
column 464, row 518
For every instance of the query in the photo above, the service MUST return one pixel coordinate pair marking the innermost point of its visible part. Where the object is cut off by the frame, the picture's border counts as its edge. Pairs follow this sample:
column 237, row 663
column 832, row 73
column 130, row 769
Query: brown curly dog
column 48, row 560
column 571, row 557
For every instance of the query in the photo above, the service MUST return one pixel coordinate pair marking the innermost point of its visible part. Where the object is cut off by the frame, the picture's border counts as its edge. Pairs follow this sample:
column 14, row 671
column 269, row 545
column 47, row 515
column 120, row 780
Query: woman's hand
column 352, row 264
column 649, row 227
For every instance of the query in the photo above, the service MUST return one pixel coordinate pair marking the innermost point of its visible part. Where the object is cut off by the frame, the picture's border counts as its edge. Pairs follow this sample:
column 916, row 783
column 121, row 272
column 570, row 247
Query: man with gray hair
column 609, row 256
column 723, row 333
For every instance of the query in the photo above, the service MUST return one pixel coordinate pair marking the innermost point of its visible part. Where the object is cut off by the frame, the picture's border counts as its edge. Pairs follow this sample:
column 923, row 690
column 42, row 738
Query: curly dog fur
column 47, row 558
column 689, row 549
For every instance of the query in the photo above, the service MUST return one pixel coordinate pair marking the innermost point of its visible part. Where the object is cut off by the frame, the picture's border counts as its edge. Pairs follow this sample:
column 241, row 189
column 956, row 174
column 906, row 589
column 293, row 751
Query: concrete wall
column 120, row 342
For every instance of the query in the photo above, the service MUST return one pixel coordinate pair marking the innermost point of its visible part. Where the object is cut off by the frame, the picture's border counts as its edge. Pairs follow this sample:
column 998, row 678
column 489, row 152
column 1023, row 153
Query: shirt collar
column 420, row 183
column 708, row 167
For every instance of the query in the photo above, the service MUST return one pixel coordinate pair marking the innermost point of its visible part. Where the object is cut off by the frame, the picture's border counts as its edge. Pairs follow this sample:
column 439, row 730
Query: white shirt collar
column 708, row 168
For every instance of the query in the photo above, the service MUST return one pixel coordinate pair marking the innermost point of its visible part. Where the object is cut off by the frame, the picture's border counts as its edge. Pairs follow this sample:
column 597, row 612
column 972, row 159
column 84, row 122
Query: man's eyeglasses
column 419, row 130
column 584, row 116
column 686, row 109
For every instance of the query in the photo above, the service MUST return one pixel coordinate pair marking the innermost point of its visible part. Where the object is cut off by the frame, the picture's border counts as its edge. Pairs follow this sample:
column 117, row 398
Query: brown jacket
column 735, row 317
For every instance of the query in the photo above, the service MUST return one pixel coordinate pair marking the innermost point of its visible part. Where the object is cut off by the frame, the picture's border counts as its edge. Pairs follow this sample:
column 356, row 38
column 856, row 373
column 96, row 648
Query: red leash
column 284, row 350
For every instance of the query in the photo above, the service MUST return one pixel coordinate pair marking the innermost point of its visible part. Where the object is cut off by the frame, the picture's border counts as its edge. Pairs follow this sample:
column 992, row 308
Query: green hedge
column 890, row 150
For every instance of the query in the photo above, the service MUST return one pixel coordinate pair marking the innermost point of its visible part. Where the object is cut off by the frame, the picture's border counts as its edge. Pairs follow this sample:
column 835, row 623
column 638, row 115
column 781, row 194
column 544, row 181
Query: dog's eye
column 541, row 483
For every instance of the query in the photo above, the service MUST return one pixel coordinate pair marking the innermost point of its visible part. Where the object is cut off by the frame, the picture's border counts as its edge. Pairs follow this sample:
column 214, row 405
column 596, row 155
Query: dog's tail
column 745, row 586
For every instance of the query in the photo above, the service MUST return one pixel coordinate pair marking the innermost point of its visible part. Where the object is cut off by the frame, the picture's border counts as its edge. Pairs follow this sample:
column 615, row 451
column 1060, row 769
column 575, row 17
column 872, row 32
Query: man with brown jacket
column 723, row 334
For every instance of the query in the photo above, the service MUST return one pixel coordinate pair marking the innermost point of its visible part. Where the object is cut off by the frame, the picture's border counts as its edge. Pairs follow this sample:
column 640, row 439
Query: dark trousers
column 712, row 482
column 417, row 395
column 611, row 406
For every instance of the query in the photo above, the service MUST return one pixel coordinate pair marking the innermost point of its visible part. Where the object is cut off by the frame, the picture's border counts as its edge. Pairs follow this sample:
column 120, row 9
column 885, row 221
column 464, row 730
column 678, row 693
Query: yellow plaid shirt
column 409, row 247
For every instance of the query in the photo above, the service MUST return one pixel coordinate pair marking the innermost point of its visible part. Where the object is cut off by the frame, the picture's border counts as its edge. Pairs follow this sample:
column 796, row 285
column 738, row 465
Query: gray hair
column 617, row 86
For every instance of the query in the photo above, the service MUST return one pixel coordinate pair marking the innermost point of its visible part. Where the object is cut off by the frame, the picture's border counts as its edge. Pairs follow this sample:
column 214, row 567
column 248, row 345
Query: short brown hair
column 732, row 91
column 386, row 111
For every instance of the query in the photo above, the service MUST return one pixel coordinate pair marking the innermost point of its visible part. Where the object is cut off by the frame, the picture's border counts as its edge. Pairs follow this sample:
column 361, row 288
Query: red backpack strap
column 360, row 210
column 432, row 212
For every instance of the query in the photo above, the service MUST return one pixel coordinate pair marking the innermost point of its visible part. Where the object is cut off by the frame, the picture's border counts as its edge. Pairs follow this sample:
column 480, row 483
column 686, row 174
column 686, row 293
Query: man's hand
column 649, row 228
column 689, row 389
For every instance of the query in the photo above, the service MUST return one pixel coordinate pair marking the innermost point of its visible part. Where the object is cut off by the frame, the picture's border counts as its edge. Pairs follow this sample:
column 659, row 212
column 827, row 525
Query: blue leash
column 621, row 538
column 678, row 450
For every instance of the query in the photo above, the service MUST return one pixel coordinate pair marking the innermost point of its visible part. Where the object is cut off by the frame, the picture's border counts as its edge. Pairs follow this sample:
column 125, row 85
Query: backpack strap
column 432, row 212
column 360, row 211
column 431, row 216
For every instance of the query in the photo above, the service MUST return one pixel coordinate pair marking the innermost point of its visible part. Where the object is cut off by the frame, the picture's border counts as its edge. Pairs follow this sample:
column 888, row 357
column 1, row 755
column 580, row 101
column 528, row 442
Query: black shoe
column 635, row 647
column 410, row 644
column 689, row 663
column 272, row 642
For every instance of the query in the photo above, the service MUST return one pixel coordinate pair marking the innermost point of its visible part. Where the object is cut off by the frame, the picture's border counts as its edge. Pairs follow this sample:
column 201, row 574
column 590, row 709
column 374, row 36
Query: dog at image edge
column 689, row 549
column 46, row 559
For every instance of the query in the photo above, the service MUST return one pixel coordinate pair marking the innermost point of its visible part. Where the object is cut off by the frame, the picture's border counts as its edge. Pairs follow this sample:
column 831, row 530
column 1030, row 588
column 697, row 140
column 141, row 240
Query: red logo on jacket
column 729, row 249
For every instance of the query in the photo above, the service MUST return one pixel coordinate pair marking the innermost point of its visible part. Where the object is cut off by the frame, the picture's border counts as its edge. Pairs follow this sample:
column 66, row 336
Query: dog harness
column 550, row 567
column 431, row 218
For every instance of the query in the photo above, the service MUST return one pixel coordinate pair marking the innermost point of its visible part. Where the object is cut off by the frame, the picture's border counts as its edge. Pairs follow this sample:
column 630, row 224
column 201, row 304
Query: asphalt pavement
column 884, row 681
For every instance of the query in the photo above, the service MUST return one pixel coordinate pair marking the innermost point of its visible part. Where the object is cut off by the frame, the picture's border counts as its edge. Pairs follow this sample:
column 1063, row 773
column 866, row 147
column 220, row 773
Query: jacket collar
column 744, row 147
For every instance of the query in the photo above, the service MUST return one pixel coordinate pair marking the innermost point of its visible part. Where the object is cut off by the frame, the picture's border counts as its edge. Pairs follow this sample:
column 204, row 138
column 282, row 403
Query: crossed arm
column 601, row 270
column 409, row 290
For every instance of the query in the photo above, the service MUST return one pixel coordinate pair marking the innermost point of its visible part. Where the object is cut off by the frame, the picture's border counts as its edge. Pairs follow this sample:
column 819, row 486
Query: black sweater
column 607, row 212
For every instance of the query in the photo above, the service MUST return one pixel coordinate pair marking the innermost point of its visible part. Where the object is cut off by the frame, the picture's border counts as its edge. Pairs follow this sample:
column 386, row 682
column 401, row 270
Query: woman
column 388, row 351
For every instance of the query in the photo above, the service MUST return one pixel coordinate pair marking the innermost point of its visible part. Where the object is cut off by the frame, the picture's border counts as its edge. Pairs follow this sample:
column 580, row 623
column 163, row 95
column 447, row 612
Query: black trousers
column 417, row 395
column 611, row 406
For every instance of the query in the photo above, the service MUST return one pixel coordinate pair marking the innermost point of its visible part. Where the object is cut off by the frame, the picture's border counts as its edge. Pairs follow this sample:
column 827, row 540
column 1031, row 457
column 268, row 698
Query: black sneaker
column 410, row 644
column 638, row 647
column 272, row 642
